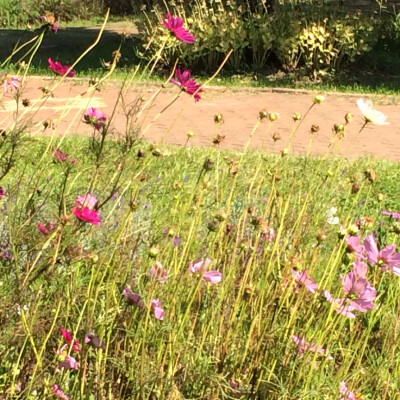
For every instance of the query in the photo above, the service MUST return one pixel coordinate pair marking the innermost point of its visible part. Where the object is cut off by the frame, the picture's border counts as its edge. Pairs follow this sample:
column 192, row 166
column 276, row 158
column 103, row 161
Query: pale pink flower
column 304, row 346
column 70, row 340
column 159, row 311
column 87, row 200
column 353, row 244
column 186, row 84
column 95, row 117
column 343, row 389
column 364, row 292
column 212, row 277
column 304, row 279
column 133, row 298
column 339, row 305
column 87, row 215
column 60, row 69
column 66, row 361
column 59, row 393
column 385, row 258
column 201, row 268
column 11, row 82
column 94, row 341
column 175, row 25
column 394, row 215
column 158, row 273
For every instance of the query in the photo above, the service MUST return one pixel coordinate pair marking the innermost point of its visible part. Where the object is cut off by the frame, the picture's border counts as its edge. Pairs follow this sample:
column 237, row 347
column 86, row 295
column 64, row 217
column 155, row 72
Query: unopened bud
column 348, row 117
column 273, row 116
column 285, row 152
column 153, row 252
column 319, row 99
column 314, row 128
column 296, row 117
column 262, row 115
column 190, row 134
column 218, row 118
column 338, row 128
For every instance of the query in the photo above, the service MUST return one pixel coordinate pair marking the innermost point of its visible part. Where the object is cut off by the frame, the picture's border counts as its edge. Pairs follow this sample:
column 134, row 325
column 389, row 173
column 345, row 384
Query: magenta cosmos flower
column 186, row 84
column 305, row 280
column 69, row 339
column 175, row 26
column 304, row 346
column 3, row 193
column 59, row 393
column 95, row 117
column 385, row 258
column 60, row 69
column 200, row 267
column 85, row 214
column 11, row 82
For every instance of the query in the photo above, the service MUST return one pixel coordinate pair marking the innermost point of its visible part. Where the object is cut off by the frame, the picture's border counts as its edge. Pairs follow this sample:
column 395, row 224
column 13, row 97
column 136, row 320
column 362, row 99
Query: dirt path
column 240, row 109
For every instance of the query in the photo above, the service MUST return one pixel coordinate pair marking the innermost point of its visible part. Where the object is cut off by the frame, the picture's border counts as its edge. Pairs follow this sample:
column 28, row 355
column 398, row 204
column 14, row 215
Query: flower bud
column 338, row 128
column 262, row 115
column 296, row 117
column 319, row 99
column 218, row 118
column 190, row 134
column 348, row 117
column 153, row 252
column 285, row 152
column 273, row 116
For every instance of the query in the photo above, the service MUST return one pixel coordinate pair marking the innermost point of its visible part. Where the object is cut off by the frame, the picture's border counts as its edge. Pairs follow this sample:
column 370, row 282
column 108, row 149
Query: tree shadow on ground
column 68, row 44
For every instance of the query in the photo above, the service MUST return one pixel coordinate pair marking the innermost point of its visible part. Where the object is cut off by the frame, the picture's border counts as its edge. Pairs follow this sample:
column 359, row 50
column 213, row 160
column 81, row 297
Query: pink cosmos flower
column 66, row 361
column 394, row 215
column 304, row 279
column 59, row 393
column 159, row 311
column 60, row 69
column 2, row 193
column 94, row 341
column 133, row 298
column 360, row 269
column 69, row 339
column 186, row 84
column 200, row 267
column 60, row 156
column 45, row 229
column 353, row 244
column 360, row 293
column 87, row 215
column 343, row 389
column 339, row 305
column 87, row 200
column 212, row 277
column 384, row 258
column 158, row 273
column 11, row 82
column 175, row 25
column 304, row 346
column 95, row 117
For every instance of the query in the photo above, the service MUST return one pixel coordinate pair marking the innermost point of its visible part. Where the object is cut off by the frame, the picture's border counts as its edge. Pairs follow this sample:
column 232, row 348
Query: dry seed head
column 262, row 115
column 218, row 118
column 276, row 136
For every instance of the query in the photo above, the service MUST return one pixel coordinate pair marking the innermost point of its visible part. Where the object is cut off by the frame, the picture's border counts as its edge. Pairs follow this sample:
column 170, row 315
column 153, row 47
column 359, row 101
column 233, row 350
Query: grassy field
column 130, row 270
column 255, row 216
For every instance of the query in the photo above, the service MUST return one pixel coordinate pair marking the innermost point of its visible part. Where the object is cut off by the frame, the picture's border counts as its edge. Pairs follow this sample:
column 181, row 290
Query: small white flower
column 331, row 214
column 371, row 115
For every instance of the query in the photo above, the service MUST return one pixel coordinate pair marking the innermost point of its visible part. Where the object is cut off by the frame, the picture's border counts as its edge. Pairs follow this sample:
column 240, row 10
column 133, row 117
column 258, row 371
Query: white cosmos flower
column 332, row 218
column 371, row 115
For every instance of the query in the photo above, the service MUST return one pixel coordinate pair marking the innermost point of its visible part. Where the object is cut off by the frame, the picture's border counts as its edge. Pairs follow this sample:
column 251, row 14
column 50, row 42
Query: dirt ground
column 240, row 109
